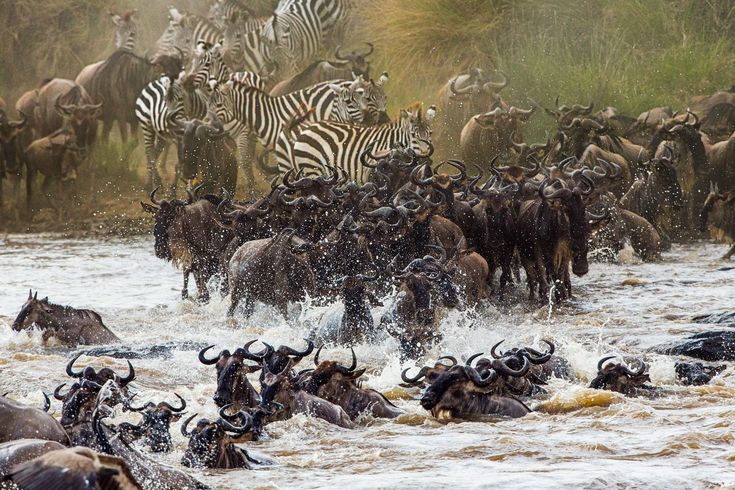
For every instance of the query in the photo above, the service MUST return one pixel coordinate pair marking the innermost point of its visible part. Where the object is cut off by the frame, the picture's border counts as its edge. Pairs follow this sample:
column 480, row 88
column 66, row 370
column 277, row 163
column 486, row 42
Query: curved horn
column 500, row 366
column 69, row 368
column 641, row 369
column 493, row 351
column 174, row 409
column 451, row 359
column 186, row 422
column 57, row 392
column 46, row 402
column 130, row 377
column 153, row 196
column 479, row 381
column 293, row 352
column 463, row 91
column 203, row 359
column 413, row 177
column 257, row 356
column 416, row 378
column 602, row 361
column 347, row 370
column 469, row 360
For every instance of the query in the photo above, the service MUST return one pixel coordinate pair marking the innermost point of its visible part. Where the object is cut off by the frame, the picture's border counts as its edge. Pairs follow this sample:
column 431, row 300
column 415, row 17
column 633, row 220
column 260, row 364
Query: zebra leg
column 153, row 147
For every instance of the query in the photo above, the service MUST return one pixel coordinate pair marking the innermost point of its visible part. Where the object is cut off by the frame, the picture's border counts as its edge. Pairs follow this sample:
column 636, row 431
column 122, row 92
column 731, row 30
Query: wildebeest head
column 666, row 180
column 564, row 114
column 476, row 84
column 571, row 201
column 277, row 359
column 358, row 61
column 456, row 382
column 620, row 378
column 81, row 117
column 9, row 143
column 211, row 444
column 77, row 403
column 34, row 310
column 696, row 373
column 428, row 374
column 713, row 198
column 165, row 215
column 233, row 386
column 327, row 370
column 156, row 422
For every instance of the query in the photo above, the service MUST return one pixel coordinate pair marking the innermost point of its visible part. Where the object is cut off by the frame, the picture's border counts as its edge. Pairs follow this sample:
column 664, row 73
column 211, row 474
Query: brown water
column 576, row 438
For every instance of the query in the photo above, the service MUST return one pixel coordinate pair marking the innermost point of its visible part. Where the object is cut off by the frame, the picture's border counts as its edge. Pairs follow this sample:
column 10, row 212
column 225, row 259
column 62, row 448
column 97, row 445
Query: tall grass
column 632, row 54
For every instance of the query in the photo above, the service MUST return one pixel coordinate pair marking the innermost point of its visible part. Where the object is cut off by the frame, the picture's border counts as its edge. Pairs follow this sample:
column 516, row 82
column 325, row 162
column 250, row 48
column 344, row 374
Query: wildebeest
column 652, row 195
column 279, row 387
column 233, row 387
column 289, row 275
column 338, row 384
column 69, row 325
column 554, row 230
column 212, row 444
column 57, row 157
column 461, row 392
column 346, row 67
column 25, row 422
column 22, row 450
column 718, row 214
column 73, row 468
column 187, row 234
column 696, row 373
column 155, row 425
column 489, row 134
column 208, row 153
column 619, row 377
column 11, row 154
column 62, row 102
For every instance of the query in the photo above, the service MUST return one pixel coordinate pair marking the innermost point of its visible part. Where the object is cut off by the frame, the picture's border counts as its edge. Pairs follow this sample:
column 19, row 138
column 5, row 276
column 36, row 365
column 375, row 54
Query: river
column 576, row 438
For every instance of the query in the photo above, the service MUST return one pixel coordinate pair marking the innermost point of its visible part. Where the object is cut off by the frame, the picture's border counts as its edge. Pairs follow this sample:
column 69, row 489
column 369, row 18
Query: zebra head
column 127, row 30
column 207, row 64
column 374, row 109
column 349, row 103
column 177, row 38
column 418, row 126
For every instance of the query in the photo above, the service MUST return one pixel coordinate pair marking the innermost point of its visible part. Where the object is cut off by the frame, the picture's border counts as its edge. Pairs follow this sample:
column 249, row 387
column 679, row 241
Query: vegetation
column 631, row 54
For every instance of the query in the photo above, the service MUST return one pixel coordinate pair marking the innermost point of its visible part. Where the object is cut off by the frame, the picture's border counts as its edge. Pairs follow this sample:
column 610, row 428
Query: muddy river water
column 577, row 437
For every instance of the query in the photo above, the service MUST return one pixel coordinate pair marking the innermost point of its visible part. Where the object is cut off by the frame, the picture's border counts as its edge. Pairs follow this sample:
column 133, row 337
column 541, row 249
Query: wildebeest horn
column 479, row 381
column 640, row 371
column 293, row 352
column 583, row 109
column 348, row 370
column 242, row 429
column 596, row 218
column 696, row 119
column 174, row 409
column 46, row 402
column 186, row 422
column 257, row 356
column 153, row 196
column 416, row 378
column 500, row 366
column 441, row 250
column 493, row 351
column 462, row 91
column 57, row 392
column 537, row 357
column 602, row 361
column 469, row 360
column 316, row 356
column 203, row 359
column 451, row 359
column 368, row 153
column 130, row 377
column 69, row 368
column 497, row 86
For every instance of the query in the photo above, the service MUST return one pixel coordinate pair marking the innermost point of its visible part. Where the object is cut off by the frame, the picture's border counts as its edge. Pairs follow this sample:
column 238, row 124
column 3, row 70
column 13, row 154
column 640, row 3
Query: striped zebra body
column 293, row 37
column 327, row 143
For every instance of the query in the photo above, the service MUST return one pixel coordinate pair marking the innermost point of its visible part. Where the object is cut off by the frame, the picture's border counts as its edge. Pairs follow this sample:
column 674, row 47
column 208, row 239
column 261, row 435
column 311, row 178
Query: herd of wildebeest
column 358, row 213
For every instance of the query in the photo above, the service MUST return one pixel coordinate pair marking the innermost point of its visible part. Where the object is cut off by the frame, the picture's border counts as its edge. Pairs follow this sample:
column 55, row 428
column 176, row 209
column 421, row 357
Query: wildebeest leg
column 543, row 285
column 30, row 177
column 106, row 129
column 729, row 253
column 506, row 275
column 185, row 289
column 567, row 283
column 531, row 278
column 201, row 277
column 45, row 191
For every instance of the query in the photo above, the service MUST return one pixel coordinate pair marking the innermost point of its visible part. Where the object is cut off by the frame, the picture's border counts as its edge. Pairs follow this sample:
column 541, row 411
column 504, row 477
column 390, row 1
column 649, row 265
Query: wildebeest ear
column 148, row 208
column 45, row 300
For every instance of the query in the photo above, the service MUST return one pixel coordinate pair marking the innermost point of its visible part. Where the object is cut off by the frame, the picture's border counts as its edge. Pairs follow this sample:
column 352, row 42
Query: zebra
column 126, row 32
column 267, row 116
column 184, row 32
column 221, row 10
column 325, row 143
column 159, row 108
column 242, row 43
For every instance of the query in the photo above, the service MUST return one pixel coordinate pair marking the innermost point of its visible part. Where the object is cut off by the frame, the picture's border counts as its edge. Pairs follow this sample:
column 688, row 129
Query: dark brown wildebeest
column 718, row 214
column 289, row 274
column 463, row 276
column 57, row 157
column 233, row 386
column 188, row 235
column 70, row 325
column 62, row 102
column 696, row 373
column 22, row 450
column 554, row 230
column 154, row 428
column 618, row 377
column 338, row 384
column 346, row 67
column 464, row 96
column 461, row 392
column 73, row 468
column 427, row 374
column 490, row 133
column 25, row 422
column 278, row 388
column 412, row 317
column 656, row 195
column 212, row 444
column 11, row 155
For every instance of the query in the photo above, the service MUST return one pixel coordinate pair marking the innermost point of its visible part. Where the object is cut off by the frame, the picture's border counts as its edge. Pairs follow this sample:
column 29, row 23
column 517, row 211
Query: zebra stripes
column 184, row 32
column 126, row 32
column 327, row 143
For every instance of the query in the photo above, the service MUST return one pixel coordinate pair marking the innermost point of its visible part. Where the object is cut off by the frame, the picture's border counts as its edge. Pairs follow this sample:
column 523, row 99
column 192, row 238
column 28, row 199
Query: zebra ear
column 201, row 48
column 116, row 19
column 430, row 114
column 336, row 88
